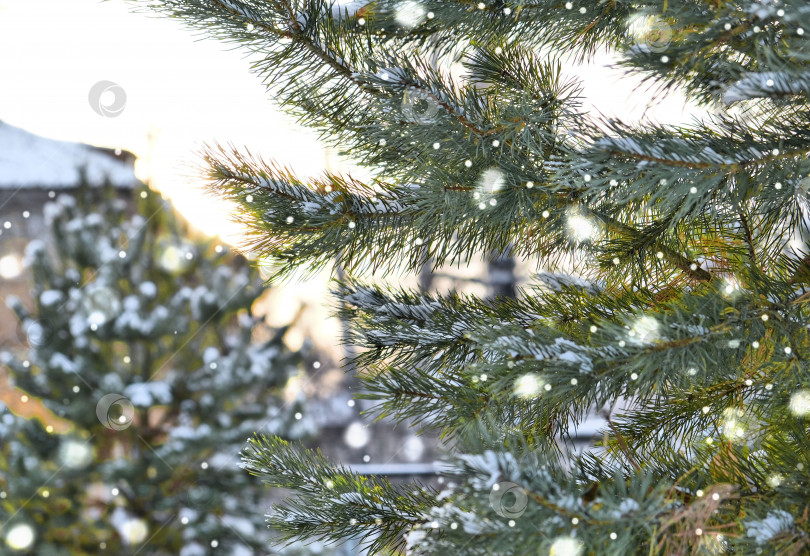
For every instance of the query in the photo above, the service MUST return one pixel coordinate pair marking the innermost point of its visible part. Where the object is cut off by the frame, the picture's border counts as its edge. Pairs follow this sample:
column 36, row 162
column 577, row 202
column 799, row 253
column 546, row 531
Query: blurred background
column 96, row 98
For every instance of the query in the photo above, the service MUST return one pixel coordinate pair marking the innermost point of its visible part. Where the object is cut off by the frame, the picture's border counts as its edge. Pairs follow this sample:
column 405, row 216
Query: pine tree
column 676, row 298
column 152, row 372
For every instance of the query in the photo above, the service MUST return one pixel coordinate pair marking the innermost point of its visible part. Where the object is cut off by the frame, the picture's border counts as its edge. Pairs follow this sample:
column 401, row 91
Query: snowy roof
column 31, row 161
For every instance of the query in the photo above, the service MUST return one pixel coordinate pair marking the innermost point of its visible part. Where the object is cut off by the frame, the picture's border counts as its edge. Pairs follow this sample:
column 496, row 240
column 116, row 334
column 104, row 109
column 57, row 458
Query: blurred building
column 34, row 170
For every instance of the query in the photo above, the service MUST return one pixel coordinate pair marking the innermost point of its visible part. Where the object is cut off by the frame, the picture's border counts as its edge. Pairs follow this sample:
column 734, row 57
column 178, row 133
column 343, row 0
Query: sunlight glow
column 581, row 229
column 134, row 531
column 20, row 537
column 11, row 266
column 528, row 386
column 566, row 546
column 734, row 424
column 356, row 435
column 645, row 330
column 800, row 403
column 410, row 14
column 75, row 454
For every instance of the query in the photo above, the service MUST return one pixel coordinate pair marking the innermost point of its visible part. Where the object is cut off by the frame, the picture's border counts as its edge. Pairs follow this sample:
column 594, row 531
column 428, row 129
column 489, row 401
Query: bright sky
column 183, row 91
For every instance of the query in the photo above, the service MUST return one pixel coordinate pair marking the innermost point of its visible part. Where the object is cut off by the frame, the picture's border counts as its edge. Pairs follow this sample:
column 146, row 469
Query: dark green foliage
column 685, row 324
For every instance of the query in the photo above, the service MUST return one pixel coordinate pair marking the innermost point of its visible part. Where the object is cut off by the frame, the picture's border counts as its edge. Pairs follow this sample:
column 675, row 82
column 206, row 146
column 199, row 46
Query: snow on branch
column 332, row 502
column 766, row 84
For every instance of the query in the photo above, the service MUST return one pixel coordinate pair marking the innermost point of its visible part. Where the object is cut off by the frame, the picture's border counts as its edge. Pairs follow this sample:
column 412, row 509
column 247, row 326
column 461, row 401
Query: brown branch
column 559, row 509
column 623, row 445
column 749, row 239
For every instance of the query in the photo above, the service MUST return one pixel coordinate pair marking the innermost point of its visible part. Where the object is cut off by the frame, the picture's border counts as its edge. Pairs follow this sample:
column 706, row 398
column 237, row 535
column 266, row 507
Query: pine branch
column 333, row 503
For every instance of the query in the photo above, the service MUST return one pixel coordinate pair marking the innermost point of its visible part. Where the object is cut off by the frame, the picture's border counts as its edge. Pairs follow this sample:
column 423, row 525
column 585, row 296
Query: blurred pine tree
column 145, row 353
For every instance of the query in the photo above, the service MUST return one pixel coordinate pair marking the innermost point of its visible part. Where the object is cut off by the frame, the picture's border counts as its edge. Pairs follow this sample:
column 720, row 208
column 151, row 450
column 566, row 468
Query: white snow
column 762, row 84
column 626, row 506
column 413, row 539
column 308, row 207
column 34, row 250
column 193, row 549
column 471, row 523
column 63, row 363
column 664, row 150
column 556, row 281
column 148, row 289
column 31, row 161
column 499, row 467
column 187, row 433
column 210, row 354
column 244, row 527
column 343, row 8
column 569, row 502
column 774, row 523
column 764, row 9
column 239, row 8
column 145, row 394
column 50, row 297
